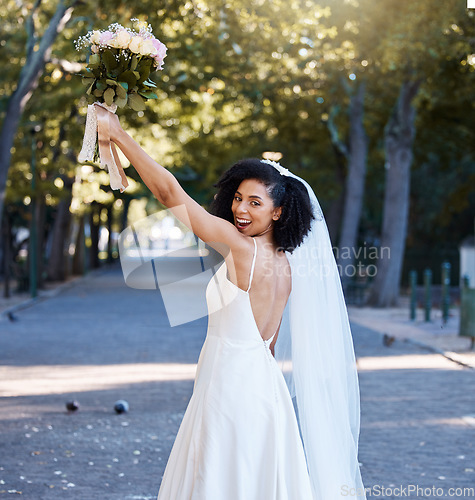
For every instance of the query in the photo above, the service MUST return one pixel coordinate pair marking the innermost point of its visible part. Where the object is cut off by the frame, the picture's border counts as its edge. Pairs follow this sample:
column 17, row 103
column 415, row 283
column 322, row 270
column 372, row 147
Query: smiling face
column 253, row 208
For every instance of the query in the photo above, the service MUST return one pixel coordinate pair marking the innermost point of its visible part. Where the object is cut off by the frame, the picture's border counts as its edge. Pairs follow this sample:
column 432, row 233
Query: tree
column 399, row 138
column 404, row 55
column 354, row 150
column 38, row 50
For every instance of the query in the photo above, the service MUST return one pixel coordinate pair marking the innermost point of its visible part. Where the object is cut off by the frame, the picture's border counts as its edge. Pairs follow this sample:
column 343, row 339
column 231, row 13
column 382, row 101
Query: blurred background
column 372, row 102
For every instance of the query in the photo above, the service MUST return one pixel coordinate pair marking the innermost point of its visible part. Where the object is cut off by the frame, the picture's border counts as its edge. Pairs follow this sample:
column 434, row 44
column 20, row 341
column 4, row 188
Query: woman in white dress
column 240, row 438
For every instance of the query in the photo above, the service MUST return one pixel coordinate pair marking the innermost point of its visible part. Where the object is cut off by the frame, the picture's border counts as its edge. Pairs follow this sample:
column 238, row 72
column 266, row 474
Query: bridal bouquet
column 117, row 75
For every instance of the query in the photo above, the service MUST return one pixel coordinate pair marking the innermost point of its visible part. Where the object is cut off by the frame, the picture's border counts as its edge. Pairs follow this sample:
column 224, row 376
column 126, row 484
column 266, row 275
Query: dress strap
column 253, row 263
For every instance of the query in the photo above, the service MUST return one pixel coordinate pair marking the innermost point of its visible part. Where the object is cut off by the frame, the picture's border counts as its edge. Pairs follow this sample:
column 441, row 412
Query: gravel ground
column 98, row 341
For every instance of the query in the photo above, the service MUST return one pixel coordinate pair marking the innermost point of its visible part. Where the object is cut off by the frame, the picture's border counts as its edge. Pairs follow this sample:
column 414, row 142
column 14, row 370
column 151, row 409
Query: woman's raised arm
column 168, row 191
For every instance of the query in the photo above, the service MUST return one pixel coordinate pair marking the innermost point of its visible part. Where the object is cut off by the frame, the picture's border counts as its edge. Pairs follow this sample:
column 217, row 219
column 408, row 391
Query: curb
column 452, row 356
column 47, row 294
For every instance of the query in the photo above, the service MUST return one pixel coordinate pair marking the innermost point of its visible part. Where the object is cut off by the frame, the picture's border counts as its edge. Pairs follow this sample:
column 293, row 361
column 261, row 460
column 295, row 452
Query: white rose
column 94, row 49
column 96, row 35
column 122, row 39
column 134, row 45
column 146, row 48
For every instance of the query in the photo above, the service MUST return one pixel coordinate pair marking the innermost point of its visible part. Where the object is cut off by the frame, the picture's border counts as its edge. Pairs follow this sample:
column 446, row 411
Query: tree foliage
column 246, row 77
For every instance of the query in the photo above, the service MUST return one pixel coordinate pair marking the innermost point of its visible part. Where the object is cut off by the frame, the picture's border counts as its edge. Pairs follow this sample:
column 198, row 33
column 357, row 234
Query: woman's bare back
column 271, row 283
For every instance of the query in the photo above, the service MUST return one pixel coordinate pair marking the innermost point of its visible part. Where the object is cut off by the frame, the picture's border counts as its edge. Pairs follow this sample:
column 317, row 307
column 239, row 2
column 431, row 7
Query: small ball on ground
column 121, row 406
column 72, row 405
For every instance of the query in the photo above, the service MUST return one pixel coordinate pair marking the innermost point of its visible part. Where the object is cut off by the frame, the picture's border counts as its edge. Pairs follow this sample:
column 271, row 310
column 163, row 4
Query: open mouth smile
column 242, row 223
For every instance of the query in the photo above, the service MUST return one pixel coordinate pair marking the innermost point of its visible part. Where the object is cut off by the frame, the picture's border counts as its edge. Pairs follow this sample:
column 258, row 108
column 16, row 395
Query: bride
column 274, row 413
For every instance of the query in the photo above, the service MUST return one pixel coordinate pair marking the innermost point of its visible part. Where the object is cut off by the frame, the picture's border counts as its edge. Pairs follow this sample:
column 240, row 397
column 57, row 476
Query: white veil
column 315, row 350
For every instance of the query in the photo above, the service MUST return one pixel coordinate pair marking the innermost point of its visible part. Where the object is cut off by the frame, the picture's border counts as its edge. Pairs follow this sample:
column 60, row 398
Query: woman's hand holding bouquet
column 117, row 75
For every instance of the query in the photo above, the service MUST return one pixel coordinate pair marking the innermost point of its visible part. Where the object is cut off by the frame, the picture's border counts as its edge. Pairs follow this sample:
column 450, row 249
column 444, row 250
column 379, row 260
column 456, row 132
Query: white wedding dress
column 239, row 438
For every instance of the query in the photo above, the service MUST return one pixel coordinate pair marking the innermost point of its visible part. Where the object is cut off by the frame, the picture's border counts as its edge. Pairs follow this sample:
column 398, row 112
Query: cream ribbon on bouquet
column 98, row 128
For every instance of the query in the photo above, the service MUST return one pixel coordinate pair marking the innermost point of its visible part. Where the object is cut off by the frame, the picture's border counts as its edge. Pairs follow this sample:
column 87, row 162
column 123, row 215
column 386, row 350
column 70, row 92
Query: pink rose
column 156, row 43
column 105, row 37
column 161, row 52
column 160, row 47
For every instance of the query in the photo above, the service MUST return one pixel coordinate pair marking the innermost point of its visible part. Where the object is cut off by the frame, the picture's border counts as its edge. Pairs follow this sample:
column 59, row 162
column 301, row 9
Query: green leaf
column 144, row 70
column 134, row 62
column 98, row 92
column 120, row 91
column 124, row 85
column 143, row 76
column 109, row 96
column 88, row 81
column 149, row 83
column 121, row 101
column 89, row 90
column 109, row 60
column 122, row 60
column 94, row 60
column 123, row 65
column 111, row 82
column 129, row 78
column 149, row 95
column 101, row 85
column 136, row 102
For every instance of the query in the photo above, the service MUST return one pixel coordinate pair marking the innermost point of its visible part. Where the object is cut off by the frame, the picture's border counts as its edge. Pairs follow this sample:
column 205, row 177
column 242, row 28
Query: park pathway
column 98, row 341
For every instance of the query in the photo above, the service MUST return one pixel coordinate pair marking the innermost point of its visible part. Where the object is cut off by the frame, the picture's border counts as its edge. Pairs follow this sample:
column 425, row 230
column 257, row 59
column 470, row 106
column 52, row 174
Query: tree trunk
column 80, row 264
column 125, row 213
column 335, row 213
column 354, row 189
column 399, row 138
column 7, row 254
column 95, row 225
column 40, row 242
column 58, row 259
column 340, row 149
column 36, row 245
column 27, row 83
column 110, row 216
column 57, row 262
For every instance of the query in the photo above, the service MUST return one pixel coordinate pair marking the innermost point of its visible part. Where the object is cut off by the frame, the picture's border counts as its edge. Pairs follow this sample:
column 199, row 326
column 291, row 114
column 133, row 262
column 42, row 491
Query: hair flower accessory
column 278, row 167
